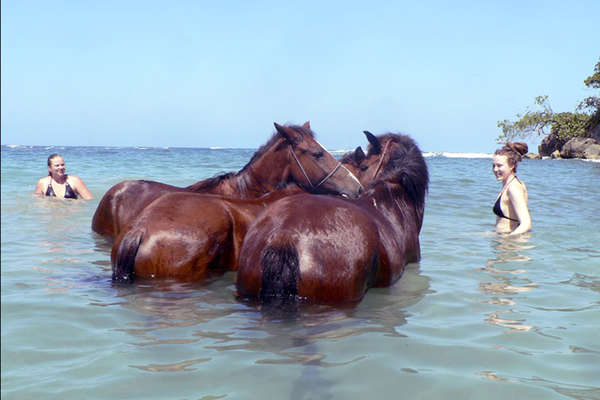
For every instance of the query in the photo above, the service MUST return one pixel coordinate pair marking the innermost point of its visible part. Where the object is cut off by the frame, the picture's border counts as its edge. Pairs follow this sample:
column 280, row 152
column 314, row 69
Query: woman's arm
column 518, row 199
column 39, row 188
column 80, row 188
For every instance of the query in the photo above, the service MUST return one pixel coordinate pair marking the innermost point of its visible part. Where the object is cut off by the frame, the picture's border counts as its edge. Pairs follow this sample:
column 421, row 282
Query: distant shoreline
column 427, row 154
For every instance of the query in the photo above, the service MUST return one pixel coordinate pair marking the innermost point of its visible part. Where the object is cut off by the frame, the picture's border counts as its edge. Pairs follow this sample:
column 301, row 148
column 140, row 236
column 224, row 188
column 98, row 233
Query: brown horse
column 185, row 235
column 328, row 250
column 274, row 165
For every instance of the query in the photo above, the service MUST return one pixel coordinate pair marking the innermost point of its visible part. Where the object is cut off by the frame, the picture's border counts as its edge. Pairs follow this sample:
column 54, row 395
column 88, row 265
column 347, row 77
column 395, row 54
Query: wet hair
column 51, row 157
column 513, row 152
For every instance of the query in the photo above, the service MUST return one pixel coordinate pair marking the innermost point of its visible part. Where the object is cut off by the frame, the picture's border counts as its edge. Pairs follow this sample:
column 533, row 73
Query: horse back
column 123, row 202
column 329, row 245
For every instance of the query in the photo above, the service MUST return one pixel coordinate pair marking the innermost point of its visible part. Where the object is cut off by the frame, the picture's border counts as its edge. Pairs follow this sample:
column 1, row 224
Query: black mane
column 405, row 167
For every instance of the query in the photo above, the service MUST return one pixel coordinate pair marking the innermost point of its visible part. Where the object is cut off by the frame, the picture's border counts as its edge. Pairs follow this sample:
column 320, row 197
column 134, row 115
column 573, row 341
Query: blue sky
column 219, row 73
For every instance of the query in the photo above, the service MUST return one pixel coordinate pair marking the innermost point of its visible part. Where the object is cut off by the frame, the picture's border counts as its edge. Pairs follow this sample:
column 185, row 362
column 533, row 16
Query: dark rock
column 594, row 133
column 532, row 156
column 550, row 144
column 581, row 147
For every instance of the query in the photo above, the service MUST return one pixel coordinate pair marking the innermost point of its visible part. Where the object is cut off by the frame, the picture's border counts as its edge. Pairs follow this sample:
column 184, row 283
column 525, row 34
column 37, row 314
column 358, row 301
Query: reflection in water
column 508, row 280
column 209, row 314
column 493, row 377
column 60, row 248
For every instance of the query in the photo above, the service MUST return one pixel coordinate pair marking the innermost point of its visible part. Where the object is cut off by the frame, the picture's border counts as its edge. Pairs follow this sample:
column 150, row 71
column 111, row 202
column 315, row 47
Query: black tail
column 124, row 261
column 280, row 272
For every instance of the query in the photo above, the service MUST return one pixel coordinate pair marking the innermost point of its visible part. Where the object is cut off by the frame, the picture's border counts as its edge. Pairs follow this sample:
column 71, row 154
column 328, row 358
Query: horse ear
column 283, row 131
column 376, row 145
column 359, row 155
column 306, row 125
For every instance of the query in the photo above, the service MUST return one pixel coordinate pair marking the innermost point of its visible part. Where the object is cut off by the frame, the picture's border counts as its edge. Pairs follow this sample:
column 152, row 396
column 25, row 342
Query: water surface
column 481, row 316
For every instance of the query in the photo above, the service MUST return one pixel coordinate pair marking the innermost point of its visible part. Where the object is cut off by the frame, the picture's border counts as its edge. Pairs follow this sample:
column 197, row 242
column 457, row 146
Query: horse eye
column 319, row 154
column 364, row 168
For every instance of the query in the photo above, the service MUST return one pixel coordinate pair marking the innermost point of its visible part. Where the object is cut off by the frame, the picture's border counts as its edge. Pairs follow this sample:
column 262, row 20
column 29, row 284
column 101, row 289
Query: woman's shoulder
column 43, row 180
column 73, row 179
column 517, row 186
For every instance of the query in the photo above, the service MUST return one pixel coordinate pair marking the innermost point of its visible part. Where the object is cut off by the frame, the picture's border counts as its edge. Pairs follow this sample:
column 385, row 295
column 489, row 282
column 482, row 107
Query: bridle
column 322, row 181
column 385, row 149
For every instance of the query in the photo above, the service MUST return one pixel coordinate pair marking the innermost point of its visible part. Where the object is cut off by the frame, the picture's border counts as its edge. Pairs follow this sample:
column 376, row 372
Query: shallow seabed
column 482, row 316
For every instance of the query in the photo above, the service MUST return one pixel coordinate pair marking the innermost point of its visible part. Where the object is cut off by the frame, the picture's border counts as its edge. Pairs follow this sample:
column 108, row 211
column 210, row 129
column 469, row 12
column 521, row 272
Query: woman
column 59, row 184
column 511, row 205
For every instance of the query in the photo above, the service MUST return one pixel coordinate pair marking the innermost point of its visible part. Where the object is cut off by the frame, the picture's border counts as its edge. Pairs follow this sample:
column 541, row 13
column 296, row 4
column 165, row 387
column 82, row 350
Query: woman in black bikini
column 511, row 205
column 59, row 184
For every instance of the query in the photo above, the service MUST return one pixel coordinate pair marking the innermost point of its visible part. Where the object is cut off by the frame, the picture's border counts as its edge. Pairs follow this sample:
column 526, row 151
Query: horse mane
column 210, row 183
column 406, row 167
column 242, row 181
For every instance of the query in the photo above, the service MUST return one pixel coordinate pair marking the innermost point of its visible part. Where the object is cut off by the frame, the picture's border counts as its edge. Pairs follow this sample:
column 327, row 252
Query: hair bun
column 518, row 147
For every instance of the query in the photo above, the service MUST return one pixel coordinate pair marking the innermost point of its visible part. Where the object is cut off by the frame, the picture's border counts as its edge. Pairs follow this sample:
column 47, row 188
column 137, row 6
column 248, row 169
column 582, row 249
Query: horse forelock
column 304, row 131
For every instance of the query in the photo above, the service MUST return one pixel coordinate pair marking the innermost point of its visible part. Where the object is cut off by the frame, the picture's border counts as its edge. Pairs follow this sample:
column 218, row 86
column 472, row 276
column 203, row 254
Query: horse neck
column 392, row 203
column 267, row 173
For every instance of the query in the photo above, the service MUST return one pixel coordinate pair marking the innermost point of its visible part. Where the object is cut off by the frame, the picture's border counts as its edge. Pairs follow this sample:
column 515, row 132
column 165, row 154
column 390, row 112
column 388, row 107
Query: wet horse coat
column 270, row 168
column 330, row 250
column 185, row 235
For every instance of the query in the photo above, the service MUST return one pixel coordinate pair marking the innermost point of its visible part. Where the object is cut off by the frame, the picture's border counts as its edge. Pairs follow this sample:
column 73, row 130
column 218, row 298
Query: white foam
column 458, row 155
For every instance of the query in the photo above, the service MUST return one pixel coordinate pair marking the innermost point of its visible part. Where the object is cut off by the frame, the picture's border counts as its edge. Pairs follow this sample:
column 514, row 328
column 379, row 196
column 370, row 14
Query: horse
column 186, row 235
column 275, row 164
column 321, row 249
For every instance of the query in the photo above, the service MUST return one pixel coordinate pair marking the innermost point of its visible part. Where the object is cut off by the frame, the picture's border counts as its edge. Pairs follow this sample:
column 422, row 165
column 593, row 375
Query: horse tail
column 280, row 272
column 124, row 260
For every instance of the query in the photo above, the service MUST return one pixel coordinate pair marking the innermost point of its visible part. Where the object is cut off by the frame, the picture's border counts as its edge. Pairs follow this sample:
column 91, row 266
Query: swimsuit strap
column 49, row 189
column 507, row 185
column 497, row 206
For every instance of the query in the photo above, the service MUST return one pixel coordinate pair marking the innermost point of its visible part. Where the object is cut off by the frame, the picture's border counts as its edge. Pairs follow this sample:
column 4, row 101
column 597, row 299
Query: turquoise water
column 481, row 316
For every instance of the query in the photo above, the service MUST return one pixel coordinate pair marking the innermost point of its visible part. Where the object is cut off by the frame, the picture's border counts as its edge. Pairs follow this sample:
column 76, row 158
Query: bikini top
column 497, row 209
column 69, row 192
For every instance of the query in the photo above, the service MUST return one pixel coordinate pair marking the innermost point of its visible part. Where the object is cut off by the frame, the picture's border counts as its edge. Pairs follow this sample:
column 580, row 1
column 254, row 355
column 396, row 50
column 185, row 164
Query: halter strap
column 301, row 167
column 329, row 175
column 385, row 149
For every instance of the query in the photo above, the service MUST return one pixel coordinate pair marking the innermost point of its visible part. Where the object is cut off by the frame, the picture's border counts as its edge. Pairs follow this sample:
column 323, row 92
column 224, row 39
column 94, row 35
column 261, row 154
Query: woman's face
column 501, row 168
column 57, row 166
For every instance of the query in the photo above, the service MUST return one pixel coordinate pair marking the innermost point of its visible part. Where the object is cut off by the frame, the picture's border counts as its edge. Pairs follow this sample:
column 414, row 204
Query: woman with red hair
column 512, row 213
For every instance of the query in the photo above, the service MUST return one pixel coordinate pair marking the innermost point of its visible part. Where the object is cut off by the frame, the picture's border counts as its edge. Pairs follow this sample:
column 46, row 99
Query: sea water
column 482, row 316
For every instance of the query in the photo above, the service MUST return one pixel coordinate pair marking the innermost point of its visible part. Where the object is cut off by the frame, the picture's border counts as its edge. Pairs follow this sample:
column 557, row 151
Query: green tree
column 592, row 103
column 544, row 120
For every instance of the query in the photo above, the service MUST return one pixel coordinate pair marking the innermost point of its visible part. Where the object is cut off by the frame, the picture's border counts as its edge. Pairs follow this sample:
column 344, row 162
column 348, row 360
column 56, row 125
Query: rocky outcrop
column 581, row 147
column 594, row 133
column 532, row 156
column 550, row 144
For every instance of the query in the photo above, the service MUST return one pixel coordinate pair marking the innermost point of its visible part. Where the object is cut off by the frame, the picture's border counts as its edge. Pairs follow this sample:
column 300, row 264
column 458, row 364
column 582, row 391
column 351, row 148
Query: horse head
column 352, row 161
column 312, row 166
column 396, row 161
